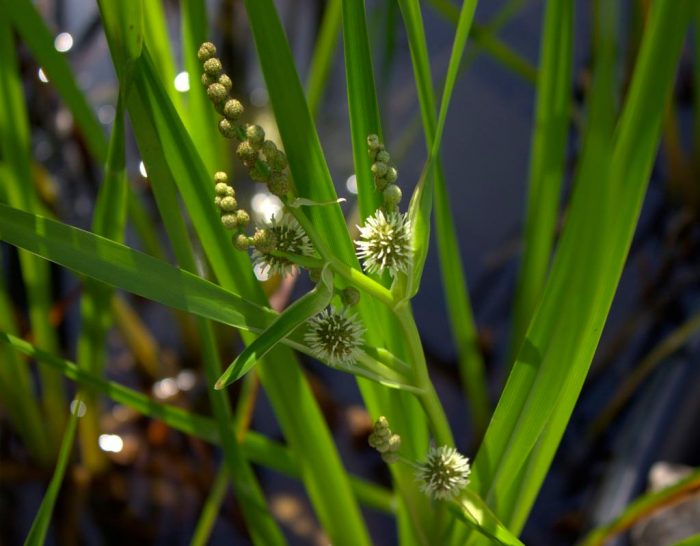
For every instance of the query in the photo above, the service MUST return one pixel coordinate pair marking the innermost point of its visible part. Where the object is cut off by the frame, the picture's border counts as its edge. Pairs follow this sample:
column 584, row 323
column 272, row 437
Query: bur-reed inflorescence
column 444, row 473
column 335, row 336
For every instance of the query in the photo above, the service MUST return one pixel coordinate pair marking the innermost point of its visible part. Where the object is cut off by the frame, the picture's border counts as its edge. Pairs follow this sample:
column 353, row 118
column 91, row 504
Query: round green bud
column 242, row 217
column 373, row 142
column 221, row 189
column 208, row 80
column 230, row 192
column 246, row 152
column 391, row 175
column 379, row 169
column 260, row 172
column 233, row 109
column 217, row 93
column 392, row 195
column 278, row 184
column 226, row 82
column 241, row 241
column 277, row 161
column 383, row 156
column 228, row 204
column 264, row 240
column 212, row 67
column 220, row 176
column 350, row 296
column 229, row 221
column 227, row 129
column 206, row 51
column 269, row 148
column 255, row 135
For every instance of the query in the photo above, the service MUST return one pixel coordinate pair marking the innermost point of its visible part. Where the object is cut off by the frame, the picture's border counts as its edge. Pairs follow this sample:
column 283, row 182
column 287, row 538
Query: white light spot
column 186, row 380
column 182, row 82
column 63, row 42
column 78, row 407
column 64, row 121
column 259, row 96
column 42, row 76
column 165, row 388
column 106, row 113
column 262, row 272
column 142, row 169
column 265, row 205
column 111, row 443
column 351, row 184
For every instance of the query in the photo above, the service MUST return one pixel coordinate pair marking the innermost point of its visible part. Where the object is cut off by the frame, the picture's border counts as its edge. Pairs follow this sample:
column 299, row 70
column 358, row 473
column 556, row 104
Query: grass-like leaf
column 40, row 526
column 296, row 314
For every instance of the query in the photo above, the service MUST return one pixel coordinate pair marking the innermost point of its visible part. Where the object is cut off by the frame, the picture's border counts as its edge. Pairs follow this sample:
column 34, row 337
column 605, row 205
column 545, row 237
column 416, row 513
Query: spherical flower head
column 385, row 243
column 444, row 473
column 335, row 336
column 290, row 237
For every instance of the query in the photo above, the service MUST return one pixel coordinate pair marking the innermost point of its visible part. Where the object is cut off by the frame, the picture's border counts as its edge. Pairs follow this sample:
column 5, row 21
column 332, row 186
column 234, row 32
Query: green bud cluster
column 232, row 217
column 264, row 161
column 384, row 173
column 385, row 441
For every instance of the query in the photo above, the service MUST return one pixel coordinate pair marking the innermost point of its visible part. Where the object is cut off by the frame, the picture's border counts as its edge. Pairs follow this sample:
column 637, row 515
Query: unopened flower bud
column 392, row 195
column 278, row 184
column 229, row 221
column 242, row 241
column 255, row 135
column 217, row 93
column 227, row 129
column 383, row 156
column 213, row 67
column 246, row 152
column 206, row 51
column 233, row 109
column 207, row 80
column 260, row 172
column 379, row 169
column 391, row 175
column 221, row 189
column 264, row 240
column 228, row 204
column 373, row 142
column 226, row 82
column 277, row 160
column 220, row 176
column 242, row 217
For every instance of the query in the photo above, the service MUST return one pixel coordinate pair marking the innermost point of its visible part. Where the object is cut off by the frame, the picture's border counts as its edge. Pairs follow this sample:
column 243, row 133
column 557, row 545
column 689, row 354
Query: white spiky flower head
column 444, row 473
column 335, row 336
column 385, row 242
column 289, row 237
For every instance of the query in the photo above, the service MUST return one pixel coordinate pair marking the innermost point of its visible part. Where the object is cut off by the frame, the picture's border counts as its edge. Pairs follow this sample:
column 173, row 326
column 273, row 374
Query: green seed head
column 212, row 67
column 227, row 129
column 206, row 51
column 233, row 109
column 229, row 220
column 217, row 93
column 228, row 204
